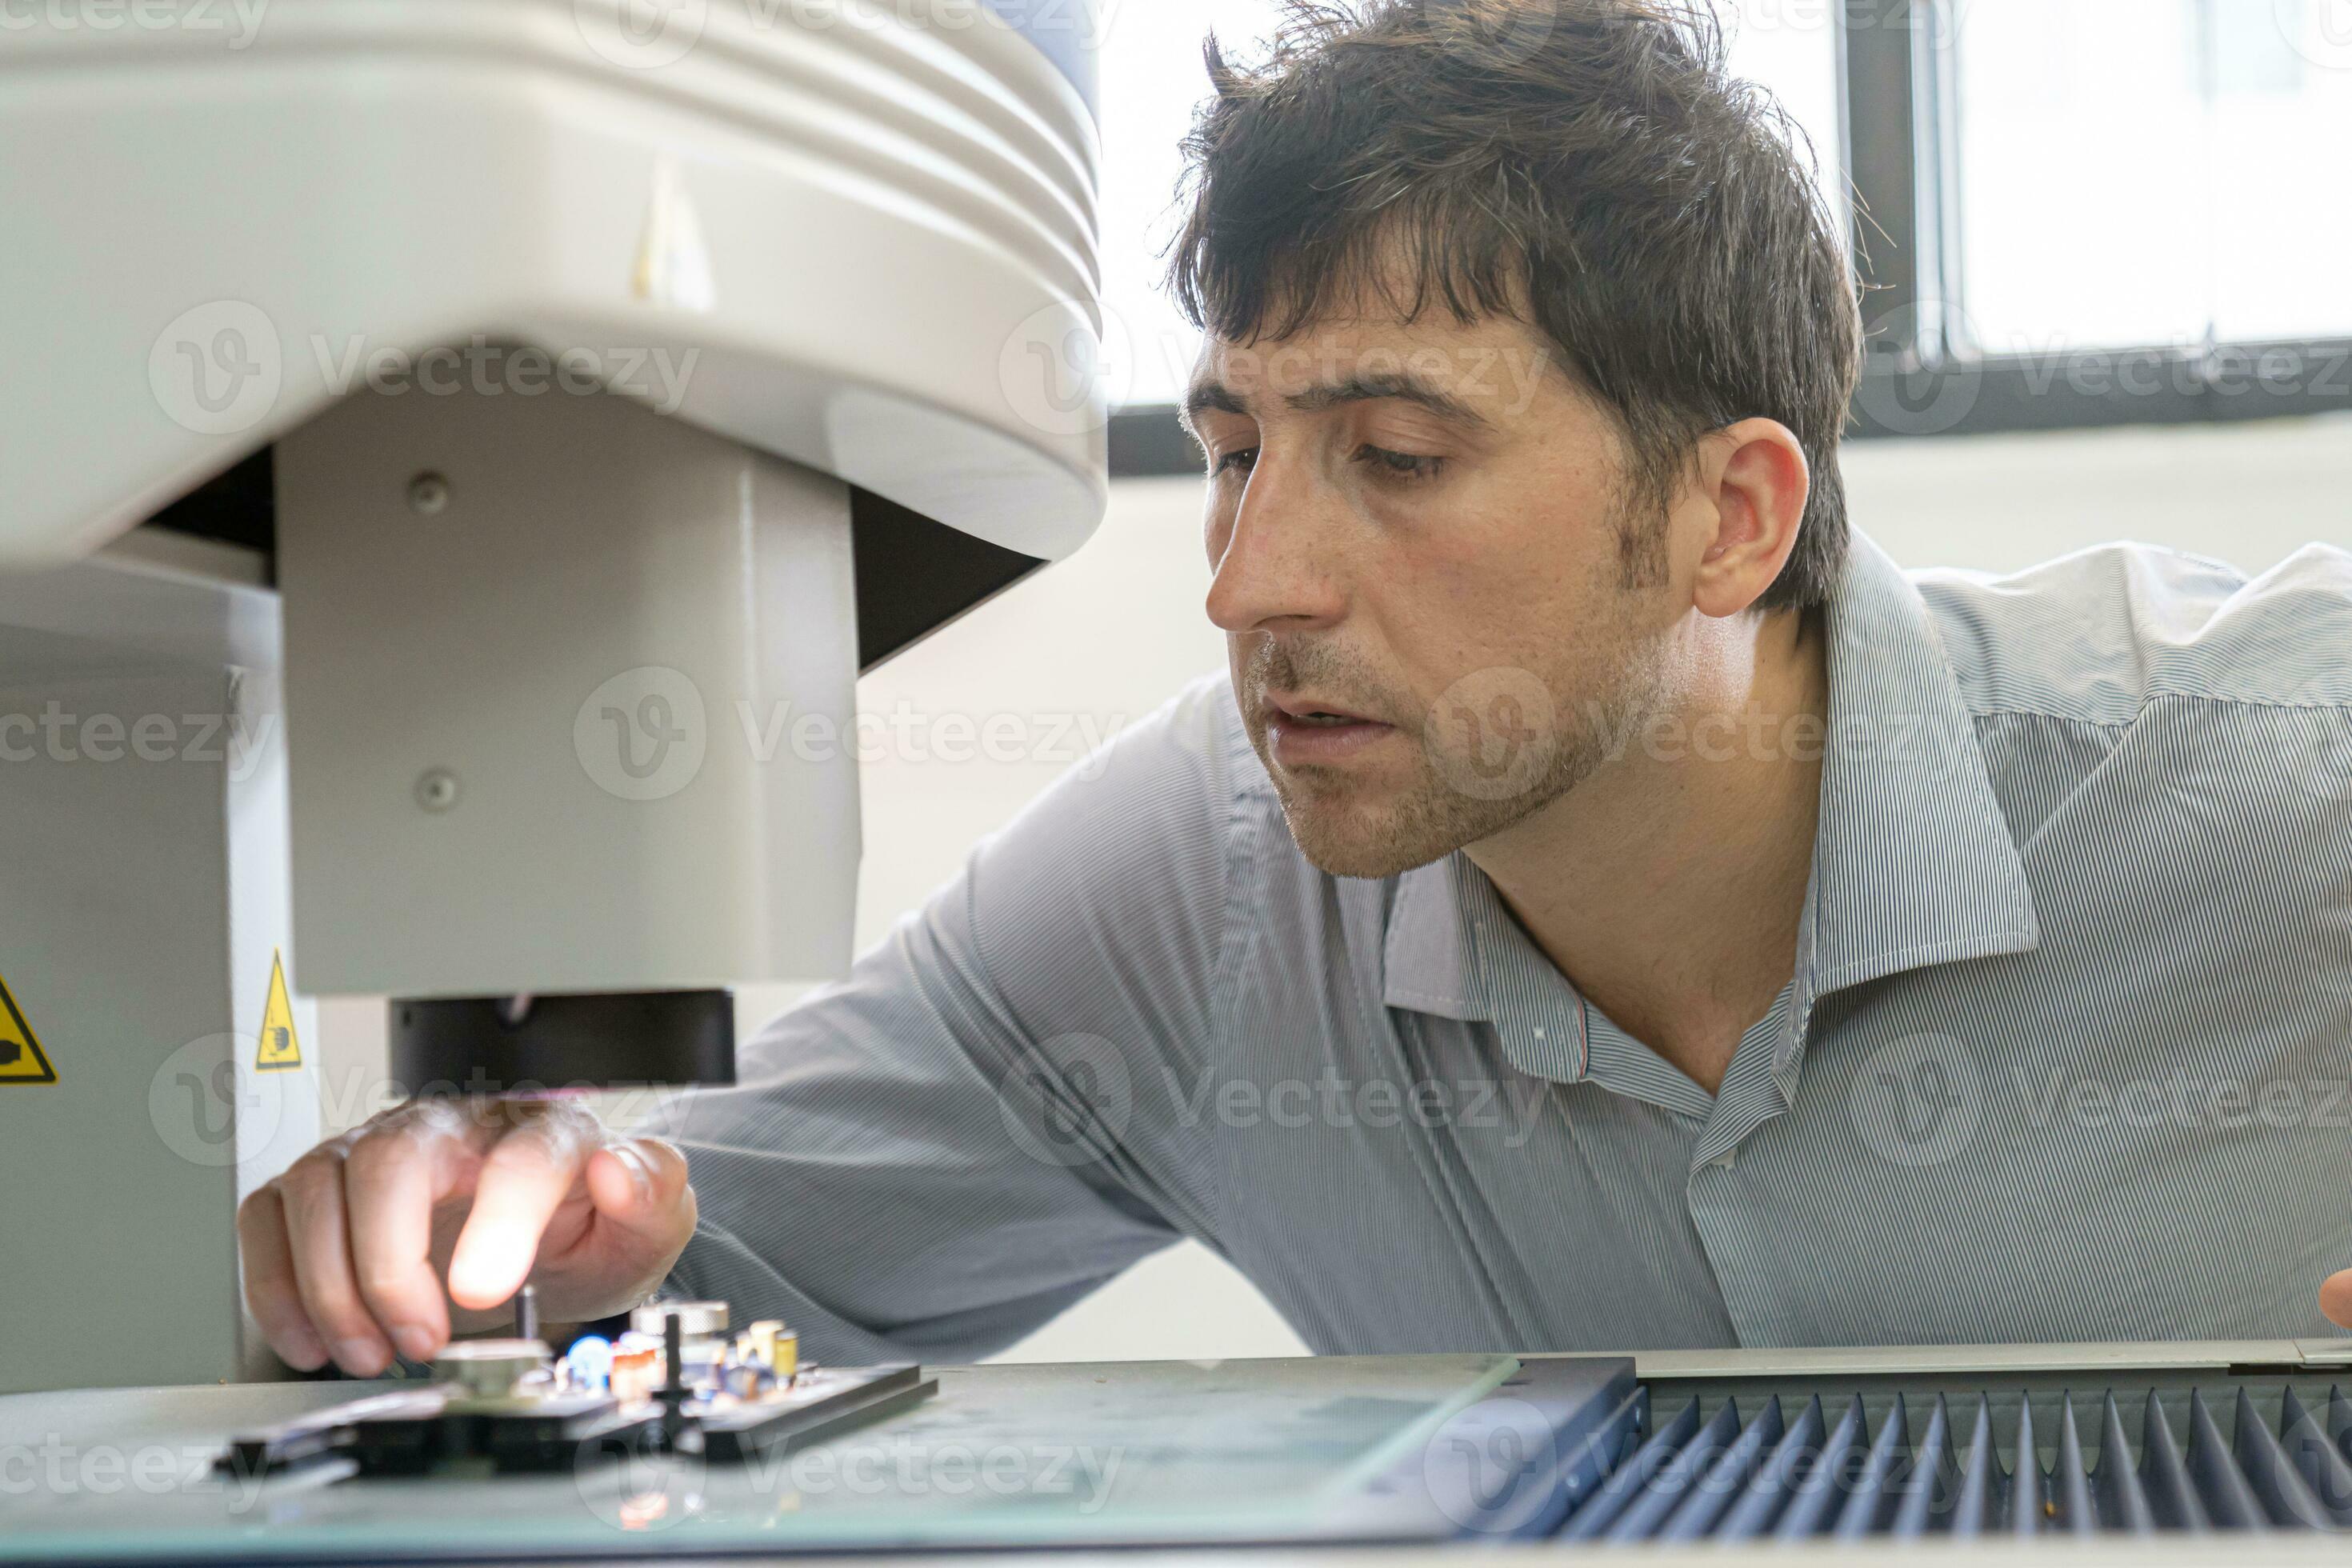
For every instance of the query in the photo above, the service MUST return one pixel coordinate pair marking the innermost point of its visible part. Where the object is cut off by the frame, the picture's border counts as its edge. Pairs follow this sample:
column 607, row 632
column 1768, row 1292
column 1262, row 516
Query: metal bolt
column 436, row 792
column 428, row 495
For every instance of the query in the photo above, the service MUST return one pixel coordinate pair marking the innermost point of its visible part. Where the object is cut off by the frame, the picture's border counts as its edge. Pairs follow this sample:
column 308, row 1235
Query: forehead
column 1482, row 365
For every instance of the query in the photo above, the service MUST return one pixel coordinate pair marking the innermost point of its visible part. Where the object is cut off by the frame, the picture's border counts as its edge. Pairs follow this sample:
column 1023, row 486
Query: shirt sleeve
column 939, row 1154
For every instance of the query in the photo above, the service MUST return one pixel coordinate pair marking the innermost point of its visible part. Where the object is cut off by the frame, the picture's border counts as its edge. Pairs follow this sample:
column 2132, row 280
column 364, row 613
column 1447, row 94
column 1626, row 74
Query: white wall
column 1105, row 637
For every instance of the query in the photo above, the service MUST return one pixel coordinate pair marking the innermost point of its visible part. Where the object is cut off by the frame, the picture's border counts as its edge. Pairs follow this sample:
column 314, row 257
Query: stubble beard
column 1347, row 826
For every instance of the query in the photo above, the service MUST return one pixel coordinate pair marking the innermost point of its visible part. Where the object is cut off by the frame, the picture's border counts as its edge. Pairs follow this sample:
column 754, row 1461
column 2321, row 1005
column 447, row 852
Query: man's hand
column 345, row 1253
column 2335, row 1299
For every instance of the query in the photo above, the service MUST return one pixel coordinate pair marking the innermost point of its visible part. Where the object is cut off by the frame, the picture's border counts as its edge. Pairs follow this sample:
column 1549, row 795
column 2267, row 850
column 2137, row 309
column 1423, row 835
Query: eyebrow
column 1205, row 395
column 1401, row 387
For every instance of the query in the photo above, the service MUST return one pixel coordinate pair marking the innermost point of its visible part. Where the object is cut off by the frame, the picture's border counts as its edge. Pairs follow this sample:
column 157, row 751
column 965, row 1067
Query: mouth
column 1305, row 731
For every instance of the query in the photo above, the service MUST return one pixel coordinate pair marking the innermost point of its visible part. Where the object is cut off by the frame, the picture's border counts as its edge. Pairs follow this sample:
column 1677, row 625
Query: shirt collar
column 1914, row 864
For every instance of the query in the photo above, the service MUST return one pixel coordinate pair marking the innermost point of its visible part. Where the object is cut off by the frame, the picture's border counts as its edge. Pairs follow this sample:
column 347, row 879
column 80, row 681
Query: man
column 1606, row 905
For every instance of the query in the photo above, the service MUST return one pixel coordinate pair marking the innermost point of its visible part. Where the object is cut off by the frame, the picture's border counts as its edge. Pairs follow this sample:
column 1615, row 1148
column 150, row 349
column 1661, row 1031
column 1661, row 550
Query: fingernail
column 641, row 1175
column 414, row 1342
column 304, row 1351
column 362, row 1358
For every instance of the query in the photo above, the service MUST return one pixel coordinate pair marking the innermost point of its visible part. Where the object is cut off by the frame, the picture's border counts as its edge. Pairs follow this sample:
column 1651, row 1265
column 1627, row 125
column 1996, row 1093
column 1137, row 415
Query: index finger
column 392, row 1180
column 523, row 1179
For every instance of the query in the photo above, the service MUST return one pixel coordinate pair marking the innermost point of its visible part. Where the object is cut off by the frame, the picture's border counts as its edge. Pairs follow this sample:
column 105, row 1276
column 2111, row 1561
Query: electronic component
column 588, row 1364
column 494, row 1369
column 777, row 1346
column 512, row 1402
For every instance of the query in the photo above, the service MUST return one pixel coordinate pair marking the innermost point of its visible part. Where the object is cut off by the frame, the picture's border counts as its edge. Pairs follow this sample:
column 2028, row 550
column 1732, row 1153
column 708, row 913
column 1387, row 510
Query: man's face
column 1441, row 599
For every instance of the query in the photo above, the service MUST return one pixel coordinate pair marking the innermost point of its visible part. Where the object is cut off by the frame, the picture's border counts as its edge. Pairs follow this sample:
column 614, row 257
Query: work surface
column 1337, row 1461
column 1145, row 1453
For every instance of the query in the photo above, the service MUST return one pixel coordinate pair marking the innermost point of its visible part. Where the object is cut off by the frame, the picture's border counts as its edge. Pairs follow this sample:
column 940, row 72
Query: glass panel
column 2283, row 133
column 2084, row 173
column 2143, row 171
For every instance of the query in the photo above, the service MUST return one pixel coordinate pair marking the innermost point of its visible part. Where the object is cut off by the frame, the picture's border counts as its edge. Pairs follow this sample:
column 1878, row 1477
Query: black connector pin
column 672, row 1393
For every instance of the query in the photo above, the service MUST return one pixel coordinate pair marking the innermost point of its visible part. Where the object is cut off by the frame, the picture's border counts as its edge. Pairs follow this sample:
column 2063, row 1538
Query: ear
column 1754, row 476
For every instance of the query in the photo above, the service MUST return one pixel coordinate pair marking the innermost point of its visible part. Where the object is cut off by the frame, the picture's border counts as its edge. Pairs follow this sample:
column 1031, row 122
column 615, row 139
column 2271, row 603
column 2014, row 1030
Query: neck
column 1669, row 886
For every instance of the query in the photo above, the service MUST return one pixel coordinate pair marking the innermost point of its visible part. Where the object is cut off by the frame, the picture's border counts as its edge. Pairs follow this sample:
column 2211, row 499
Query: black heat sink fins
column 1941, row 1468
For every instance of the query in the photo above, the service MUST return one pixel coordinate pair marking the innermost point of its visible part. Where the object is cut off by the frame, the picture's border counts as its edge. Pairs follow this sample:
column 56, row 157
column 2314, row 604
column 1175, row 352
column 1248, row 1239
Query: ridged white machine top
column 858, row 234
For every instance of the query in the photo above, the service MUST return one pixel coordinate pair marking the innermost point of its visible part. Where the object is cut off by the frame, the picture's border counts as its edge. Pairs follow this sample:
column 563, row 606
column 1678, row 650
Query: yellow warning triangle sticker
column 281, row 1048
column 21, row 1057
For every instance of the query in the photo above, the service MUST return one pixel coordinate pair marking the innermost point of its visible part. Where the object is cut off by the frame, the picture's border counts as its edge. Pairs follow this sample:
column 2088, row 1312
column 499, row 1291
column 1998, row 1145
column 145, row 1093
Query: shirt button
column 1725, row 1162
column 1539, row 1034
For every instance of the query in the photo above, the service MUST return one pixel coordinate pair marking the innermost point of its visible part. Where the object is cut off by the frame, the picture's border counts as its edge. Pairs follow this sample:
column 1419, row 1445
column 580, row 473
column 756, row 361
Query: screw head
column 436, row 791
column 428, row 495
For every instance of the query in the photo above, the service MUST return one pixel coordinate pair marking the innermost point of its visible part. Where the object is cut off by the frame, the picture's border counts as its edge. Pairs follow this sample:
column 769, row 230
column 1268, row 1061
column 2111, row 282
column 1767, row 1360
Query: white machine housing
column 580, row 331
column 854, row 244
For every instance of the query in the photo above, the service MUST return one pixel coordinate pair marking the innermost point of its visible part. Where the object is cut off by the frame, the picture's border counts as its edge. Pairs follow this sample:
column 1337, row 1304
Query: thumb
column 2336, row 1299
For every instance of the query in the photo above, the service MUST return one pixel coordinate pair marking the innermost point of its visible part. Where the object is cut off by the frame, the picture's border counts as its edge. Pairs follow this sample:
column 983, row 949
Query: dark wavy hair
column 1591, row 163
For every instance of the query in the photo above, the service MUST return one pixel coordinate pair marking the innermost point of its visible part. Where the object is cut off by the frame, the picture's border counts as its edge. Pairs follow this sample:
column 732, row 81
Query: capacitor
column 778, row 1346
column 590, row 1362
column 633, row 1374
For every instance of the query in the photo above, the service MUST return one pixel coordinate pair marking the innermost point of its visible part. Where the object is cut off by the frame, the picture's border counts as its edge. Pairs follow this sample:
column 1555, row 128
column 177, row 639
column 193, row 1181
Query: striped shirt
column 2064, row 1055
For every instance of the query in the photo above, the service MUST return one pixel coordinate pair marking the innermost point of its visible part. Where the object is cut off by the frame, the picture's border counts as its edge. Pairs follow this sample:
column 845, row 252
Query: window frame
column 1897, row 70
column 1900, row 78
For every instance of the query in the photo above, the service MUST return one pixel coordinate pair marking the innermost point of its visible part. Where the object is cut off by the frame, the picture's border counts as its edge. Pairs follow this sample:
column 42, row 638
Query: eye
column 1399, row 465
column 1239, row 461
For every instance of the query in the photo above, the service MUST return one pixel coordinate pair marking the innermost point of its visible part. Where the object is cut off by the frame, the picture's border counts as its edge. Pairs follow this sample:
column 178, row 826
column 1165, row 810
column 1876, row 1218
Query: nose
column 1282, row 564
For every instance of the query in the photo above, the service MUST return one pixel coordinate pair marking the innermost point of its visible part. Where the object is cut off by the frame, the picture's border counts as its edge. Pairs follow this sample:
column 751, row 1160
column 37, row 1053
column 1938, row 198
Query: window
column 2099, row 212
column 2080, row 211
column 2140, row 172
column 1152, row 79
